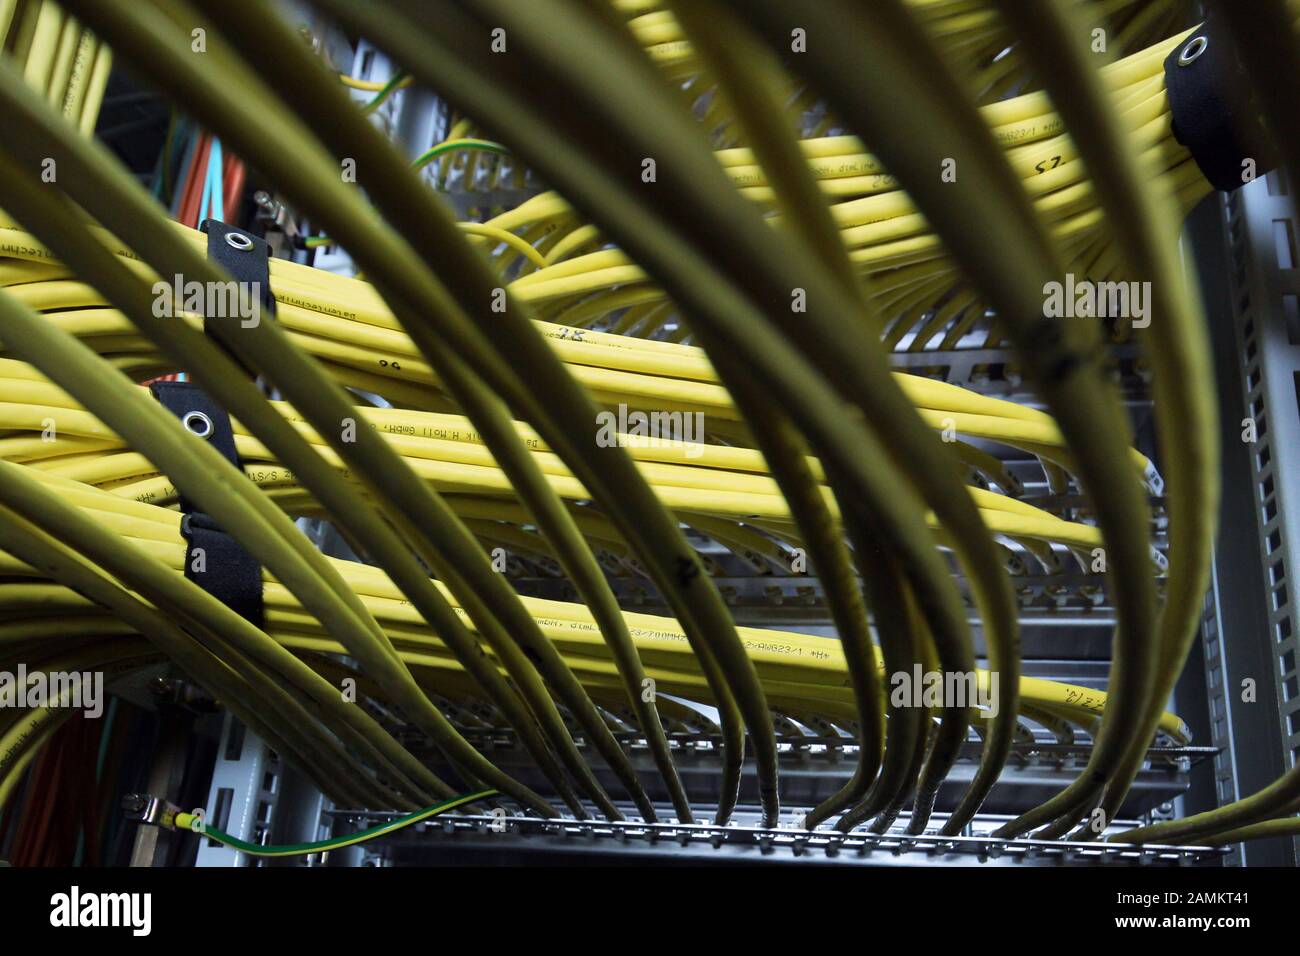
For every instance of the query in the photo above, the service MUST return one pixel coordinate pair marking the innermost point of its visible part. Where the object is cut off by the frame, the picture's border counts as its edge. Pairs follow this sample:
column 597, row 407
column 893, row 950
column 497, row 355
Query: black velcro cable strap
column 214, row 560
column 221, row 566
column 247, row 259
column 201, row 416
column 1213, row 116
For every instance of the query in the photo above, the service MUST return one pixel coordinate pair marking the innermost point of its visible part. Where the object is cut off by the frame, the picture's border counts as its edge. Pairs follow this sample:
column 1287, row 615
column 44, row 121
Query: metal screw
column 134, row 803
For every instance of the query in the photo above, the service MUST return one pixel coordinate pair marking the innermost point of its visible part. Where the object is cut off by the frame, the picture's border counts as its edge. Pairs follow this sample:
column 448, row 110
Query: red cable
column 194, row 200
column 233, row 176
column 36, row 785
column 44, row 792
column 57, row 839
column 36, row 775
column 186, row 177
column 190, row 205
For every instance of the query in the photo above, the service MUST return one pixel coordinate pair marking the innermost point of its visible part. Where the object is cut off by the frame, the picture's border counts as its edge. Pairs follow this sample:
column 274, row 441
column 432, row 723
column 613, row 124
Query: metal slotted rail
column 480, row 837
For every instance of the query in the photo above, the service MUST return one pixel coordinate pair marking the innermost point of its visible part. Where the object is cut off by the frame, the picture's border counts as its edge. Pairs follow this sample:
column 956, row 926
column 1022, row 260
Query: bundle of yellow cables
column 458, row 401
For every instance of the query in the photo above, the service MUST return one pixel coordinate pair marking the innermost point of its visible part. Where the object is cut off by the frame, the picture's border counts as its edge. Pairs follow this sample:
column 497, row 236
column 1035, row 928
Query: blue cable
column 215, row 187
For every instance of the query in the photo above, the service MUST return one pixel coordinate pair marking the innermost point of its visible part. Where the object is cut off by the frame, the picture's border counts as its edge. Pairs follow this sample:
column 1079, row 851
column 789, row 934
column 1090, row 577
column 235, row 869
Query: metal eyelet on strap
column 198, row 424
column 1192, row 52
column 237, row 240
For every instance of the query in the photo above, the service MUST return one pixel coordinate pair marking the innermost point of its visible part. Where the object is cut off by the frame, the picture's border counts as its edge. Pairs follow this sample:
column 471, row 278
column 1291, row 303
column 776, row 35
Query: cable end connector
column 1152, row 479
column 154, row 811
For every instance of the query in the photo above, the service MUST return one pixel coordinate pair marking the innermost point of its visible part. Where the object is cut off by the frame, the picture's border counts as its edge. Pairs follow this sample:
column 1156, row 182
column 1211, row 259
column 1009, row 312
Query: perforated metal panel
column 1250, row 635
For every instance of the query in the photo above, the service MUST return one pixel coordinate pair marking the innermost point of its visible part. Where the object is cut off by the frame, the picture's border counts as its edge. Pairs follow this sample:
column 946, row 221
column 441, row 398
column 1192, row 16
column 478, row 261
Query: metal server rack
column 1065, row 621
column 1245, row 246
